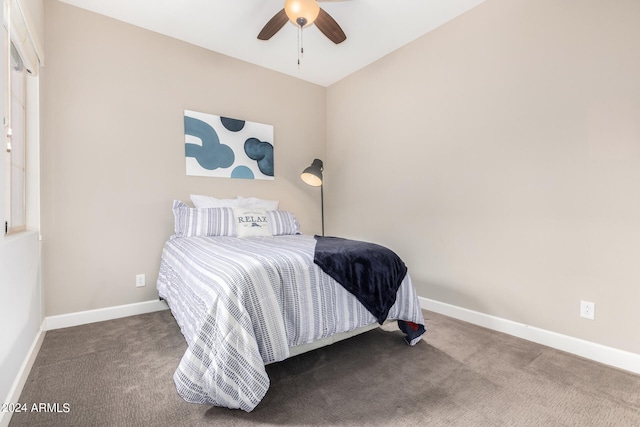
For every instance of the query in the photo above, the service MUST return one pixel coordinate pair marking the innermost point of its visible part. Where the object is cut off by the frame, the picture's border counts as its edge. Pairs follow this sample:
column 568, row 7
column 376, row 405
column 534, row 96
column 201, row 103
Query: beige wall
column 113, row 149
column 500, row 157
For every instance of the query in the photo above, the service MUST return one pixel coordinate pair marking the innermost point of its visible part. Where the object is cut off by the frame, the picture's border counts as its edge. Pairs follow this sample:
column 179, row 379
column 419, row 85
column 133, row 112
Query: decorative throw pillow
column 282, row 223
column 191, row 222
column 251, row 222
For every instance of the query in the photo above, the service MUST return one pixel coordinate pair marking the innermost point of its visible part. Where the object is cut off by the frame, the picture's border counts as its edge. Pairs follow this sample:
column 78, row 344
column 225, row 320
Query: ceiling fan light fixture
column 302, row 12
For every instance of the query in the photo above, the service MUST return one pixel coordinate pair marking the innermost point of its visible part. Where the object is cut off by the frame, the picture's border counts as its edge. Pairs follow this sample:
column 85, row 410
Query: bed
column 244, row 302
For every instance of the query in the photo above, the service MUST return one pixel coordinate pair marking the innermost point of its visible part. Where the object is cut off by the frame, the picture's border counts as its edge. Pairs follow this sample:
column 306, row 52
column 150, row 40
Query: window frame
column 20, row 193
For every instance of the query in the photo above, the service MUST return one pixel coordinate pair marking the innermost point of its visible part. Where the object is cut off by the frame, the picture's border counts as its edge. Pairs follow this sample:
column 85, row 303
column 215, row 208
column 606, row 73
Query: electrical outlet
column 140, row 281
column 587, row 310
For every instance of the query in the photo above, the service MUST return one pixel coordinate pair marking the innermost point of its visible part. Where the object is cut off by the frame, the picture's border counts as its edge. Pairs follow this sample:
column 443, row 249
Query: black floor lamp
column 313, row 176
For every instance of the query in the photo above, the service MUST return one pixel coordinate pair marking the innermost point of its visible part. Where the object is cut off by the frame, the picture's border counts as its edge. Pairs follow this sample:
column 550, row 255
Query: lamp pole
column 322, row 206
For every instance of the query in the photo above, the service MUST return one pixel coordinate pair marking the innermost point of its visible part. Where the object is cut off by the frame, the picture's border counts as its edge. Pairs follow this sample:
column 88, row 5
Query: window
column 19, row 148
column 15, row 157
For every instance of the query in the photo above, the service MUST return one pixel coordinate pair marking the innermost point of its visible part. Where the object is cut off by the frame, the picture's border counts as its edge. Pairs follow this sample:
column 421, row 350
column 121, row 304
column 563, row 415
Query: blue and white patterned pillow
column 191, row 222
column 283, row 222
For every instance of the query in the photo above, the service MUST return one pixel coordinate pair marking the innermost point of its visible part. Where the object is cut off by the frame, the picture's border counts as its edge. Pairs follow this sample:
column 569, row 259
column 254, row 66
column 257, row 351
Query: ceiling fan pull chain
column 299, row 45
column 301, row 21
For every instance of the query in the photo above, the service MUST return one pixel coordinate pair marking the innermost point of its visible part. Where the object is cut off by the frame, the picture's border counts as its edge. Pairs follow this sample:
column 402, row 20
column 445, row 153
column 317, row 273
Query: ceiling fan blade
column 329, row 27
column 274, row 25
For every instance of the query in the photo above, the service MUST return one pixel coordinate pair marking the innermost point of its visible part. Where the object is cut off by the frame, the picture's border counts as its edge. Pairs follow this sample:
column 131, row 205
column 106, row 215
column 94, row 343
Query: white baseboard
column 589, row 350
column 101, row 314
column 21, row 377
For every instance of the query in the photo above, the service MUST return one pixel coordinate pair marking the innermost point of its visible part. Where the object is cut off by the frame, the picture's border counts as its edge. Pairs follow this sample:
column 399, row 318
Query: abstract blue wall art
column 230, row 148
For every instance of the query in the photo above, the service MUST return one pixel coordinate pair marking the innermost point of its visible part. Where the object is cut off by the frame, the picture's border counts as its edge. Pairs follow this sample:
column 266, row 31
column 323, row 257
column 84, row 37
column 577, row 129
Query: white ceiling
column 374, row 28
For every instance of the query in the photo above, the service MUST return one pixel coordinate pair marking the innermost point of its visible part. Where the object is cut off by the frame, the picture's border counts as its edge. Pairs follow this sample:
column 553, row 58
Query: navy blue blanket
column 371, row 272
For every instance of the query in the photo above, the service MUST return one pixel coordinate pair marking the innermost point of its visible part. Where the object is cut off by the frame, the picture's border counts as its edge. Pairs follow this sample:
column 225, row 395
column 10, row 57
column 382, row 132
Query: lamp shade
column 313, row 174
column 302, row 12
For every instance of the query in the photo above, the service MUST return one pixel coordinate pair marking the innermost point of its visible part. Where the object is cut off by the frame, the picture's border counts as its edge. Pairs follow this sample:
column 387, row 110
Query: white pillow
column 254, row 202
column 210, row 202
column 251, row 222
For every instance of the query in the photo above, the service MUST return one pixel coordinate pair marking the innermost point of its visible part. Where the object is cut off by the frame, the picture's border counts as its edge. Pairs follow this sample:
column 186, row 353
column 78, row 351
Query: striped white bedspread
column 241, row 303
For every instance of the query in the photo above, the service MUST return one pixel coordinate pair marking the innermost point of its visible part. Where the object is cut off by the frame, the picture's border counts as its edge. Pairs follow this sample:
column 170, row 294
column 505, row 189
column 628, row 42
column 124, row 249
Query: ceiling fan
column 304, row 13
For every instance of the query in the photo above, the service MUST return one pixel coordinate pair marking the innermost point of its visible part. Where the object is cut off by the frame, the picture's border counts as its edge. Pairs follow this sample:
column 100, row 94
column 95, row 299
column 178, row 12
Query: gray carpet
column 119, row 373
